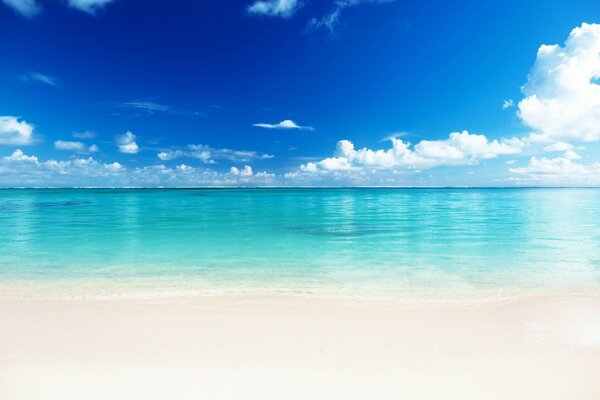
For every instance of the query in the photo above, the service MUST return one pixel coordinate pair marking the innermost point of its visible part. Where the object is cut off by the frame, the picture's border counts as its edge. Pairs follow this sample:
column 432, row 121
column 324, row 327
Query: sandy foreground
column 282, row 346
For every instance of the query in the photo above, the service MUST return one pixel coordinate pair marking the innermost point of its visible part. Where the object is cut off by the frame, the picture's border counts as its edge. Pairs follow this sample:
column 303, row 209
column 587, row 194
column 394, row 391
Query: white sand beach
column 283, row 346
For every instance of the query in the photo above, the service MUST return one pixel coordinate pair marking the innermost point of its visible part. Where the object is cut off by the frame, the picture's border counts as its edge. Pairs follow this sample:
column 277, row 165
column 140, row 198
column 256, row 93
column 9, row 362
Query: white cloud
column 14, row 132
column 69, row 146
column 84, row 135
column 247, row 175
column 461, row 148
column 19, row 169
column 88, row 6
column 37, row 77
column 170, row 155
column 509, row 103
column 27, row 8
column 184, row 175
column 560, row 170
column 471, row 146
column 183, row 167
column 83, row 167
column 127, row 144
column 114, row 167
column 274, row 8
column 559, row 146
column 18, row 155
column 562, row 100
column 567, row 148
column 208, row 154
column 246, row 171
column 285, row 124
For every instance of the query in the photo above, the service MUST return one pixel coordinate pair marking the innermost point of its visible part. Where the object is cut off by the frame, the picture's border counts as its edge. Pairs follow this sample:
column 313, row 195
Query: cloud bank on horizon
column 557, row 119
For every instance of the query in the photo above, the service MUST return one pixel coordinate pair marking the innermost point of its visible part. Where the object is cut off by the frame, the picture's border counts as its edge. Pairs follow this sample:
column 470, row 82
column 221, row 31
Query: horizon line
column 285, row 187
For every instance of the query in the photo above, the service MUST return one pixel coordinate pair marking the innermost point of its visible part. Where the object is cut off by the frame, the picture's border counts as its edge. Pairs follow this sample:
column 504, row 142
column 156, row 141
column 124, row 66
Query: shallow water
column 451, row 242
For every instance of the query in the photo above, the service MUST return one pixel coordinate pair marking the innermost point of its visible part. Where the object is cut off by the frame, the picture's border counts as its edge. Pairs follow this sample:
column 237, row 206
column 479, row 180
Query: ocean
column 448, row 244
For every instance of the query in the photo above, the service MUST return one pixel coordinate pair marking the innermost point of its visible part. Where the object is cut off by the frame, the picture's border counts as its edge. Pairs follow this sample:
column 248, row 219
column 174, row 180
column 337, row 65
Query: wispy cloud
column 330, row 20
column 285, row 124
column 508, row 103
column 274, row 8
column 146, row 106
column 27, row 8
column 38, row 77
column 79, row 147
column 30, row 8
column 88, row 6
column 143, row 105
column 394, row 135
column 209, row 155
column 84, row 135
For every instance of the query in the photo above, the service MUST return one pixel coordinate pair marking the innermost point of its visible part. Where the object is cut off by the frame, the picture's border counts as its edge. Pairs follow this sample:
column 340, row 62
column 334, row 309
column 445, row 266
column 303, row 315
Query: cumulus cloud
column 247, row 175
column 126, row 143
column 88, row 6
column 14, row 132
column 274, row 8
column 19, row 169
column 185, row 175
column 83, row 168
column 246, row 171
column 114, row 167
column 562, row 96
column 559, row 170
column 27, row 8
column 461, row 148
column 567, row 148
column 209, row 155
column 18, row 156
column 285, row 124
column 183, row 167
column 172, row 154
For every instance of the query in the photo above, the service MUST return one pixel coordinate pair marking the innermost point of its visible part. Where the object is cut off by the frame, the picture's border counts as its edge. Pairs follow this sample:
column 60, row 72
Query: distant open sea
column 415, row 243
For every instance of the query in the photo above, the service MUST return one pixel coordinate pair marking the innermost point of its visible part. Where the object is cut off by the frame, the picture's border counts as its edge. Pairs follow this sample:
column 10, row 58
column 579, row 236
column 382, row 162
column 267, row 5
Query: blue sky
column 284, row 92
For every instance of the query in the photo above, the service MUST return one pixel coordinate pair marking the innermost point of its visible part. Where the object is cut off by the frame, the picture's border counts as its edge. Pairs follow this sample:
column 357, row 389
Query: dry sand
column 282, row 346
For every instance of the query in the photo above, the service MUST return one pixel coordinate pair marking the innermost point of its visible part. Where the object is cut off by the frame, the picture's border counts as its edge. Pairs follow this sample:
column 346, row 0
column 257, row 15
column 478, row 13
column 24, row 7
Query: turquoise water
column 414, row 242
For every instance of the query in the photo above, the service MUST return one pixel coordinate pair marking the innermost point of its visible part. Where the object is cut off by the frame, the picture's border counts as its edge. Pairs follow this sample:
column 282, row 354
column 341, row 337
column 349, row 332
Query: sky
column 299, row 93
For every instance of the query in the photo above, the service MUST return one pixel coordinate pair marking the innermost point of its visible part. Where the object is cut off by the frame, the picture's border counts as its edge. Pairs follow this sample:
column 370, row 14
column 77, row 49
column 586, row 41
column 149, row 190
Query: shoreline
column 169, row 289
column 296, row 346
column 125, row 292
